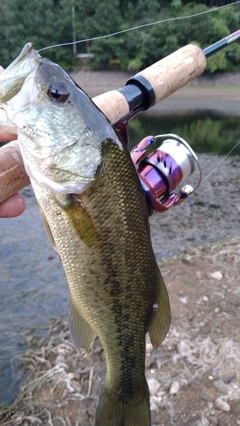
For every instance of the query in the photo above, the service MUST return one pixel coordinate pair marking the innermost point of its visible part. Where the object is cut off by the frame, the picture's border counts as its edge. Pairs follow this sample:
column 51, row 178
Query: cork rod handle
column 164, row 77
column 175, row 71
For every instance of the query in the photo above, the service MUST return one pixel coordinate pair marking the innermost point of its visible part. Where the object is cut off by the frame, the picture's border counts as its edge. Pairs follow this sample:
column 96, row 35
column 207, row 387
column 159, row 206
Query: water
column 205, row 132
column 33, row 287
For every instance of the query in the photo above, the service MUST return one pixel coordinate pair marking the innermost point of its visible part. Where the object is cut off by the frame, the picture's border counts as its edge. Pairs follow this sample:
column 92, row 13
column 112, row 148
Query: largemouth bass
column 95, row 212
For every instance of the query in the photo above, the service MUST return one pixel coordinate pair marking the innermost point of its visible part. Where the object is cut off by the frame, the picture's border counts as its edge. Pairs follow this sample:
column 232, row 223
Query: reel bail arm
column 162, row 170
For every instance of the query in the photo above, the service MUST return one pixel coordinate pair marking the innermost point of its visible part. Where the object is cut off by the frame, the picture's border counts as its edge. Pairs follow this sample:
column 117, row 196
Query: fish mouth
column 13, row 77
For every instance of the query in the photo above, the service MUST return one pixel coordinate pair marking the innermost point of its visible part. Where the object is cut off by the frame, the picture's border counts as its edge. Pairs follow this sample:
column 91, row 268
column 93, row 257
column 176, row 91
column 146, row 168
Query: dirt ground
column 194, row 377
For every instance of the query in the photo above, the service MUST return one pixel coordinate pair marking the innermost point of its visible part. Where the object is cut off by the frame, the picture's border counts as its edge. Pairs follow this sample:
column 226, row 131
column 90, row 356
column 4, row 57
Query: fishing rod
column 219, row 45
column 160, row 80
column 141, row 92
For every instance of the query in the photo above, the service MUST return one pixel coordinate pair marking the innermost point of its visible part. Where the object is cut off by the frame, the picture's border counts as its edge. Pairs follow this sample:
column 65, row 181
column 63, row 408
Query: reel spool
column 162, row 170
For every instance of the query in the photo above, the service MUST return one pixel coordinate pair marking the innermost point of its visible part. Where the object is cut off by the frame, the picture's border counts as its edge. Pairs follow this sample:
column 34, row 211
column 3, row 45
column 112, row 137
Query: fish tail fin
column 112, row 412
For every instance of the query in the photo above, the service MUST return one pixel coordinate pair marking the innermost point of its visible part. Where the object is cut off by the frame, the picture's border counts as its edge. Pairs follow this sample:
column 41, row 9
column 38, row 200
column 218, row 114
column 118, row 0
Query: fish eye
column 58, row 93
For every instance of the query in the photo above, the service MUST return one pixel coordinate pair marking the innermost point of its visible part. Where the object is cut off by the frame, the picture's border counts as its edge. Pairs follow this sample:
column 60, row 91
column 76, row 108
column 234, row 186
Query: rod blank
column 219, row 45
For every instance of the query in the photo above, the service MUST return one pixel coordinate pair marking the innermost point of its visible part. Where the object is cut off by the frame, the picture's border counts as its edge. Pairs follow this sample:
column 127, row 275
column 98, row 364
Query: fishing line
column 178, row 18
column 223, row 159
column 138, row 27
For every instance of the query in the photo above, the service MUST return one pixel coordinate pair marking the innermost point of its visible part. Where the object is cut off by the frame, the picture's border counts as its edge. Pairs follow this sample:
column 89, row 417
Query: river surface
column 33, row 287
column 33, row 290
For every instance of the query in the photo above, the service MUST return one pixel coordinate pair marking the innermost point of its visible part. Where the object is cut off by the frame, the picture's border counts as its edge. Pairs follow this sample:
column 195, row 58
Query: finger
column 6, row 137
column 13, row 206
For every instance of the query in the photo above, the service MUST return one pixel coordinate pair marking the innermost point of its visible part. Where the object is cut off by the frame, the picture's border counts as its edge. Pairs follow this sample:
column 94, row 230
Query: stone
column 183, row 349
column 226, row 348
column 153, row 385
column 175, row 386
column 217, row 275
column 222, row 405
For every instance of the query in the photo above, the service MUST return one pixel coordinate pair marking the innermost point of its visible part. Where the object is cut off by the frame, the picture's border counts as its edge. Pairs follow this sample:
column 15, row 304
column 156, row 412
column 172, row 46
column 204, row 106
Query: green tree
column 49, row 22
column 42, row 22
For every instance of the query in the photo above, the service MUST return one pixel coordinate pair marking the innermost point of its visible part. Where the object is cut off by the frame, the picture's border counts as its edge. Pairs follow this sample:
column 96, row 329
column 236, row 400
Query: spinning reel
column 162, row 170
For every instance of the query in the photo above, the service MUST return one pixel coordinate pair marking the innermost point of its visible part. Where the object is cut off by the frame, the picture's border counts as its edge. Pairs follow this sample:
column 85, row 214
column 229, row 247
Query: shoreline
column 220, row 93
column 200, row 353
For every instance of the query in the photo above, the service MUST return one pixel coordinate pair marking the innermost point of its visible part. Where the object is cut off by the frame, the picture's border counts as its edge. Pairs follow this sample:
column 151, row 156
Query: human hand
column 15, row 205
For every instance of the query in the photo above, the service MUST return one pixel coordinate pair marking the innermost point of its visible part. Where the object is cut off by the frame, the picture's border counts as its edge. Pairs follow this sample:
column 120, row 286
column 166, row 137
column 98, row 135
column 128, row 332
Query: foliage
column 50, row 22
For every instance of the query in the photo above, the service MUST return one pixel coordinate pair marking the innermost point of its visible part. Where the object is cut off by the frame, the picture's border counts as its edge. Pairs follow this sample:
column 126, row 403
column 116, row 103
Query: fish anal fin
column 161, row 319
column 82, row 333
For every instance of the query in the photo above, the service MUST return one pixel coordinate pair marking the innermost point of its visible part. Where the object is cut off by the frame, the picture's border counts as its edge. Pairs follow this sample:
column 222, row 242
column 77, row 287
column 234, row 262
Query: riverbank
column 220, row 93
column 193, row 377
column 97, row 82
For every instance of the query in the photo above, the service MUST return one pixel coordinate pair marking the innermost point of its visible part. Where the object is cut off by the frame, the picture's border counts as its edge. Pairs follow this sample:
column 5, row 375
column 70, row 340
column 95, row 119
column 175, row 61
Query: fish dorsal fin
column 82, row 333
column 161, row 320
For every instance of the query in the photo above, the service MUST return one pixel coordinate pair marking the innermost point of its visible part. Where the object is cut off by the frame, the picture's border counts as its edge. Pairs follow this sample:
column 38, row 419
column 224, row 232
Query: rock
column 91, row 410
column 222, row 405
column 183, row 299
column 154, row 403
column 225, row 348
column 228, row 375
column 153, row 385
column 217, row 275
column 183, row 349
column 77, row 376
column 213, row 421
column 71, row 376
column 175, row 386
column 148, row 348
column 202, row 422
column 221, row 387
column 161, row 394
column 148, row 361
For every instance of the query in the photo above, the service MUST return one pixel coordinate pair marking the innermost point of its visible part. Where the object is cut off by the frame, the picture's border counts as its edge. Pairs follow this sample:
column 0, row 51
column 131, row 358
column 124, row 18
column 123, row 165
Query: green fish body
column 95, row 213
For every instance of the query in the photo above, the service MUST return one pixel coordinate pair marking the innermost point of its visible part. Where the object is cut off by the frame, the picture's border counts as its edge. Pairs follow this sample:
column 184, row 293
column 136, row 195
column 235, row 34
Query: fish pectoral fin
column 78, row 215
column 82, row 333
column 48, row 229
column 161, row 320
